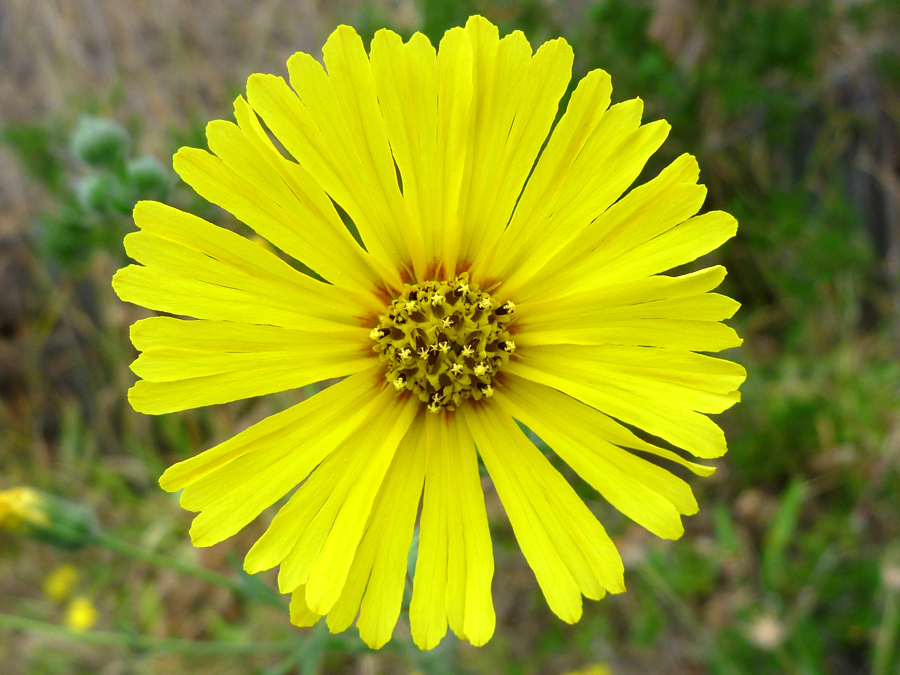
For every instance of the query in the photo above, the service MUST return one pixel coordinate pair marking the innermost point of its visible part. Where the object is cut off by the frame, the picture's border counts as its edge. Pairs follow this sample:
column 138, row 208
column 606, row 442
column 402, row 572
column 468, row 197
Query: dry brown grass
column 157, row 63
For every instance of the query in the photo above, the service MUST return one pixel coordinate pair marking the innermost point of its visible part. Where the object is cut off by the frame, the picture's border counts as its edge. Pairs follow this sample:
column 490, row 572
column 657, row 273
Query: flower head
column 81, row 614
column 60, row 583
column 503, row 278
column 55, row 521
column 21, row 507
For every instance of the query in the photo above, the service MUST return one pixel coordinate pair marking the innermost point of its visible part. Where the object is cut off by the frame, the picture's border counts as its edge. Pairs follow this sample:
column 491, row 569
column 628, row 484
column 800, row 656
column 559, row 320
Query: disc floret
column 444, row 341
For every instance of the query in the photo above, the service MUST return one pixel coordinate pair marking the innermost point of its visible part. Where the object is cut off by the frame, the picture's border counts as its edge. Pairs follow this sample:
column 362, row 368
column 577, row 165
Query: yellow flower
column 59, row 584
column 489, row 289
column 81, row 614
column 20, row 507
column 50, row 519
column 596, row 669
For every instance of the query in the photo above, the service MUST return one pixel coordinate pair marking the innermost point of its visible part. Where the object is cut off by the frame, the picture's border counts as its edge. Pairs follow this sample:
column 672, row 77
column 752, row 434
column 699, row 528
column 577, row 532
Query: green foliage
column 439, row 15
column 780, row 533
column 37, row 148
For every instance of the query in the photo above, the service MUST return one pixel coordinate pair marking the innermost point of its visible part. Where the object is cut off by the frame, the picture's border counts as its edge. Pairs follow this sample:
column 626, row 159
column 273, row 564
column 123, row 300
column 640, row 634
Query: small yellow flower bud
column 20, row 507
column 60, row 583
column 63, row 524
column 81, row 614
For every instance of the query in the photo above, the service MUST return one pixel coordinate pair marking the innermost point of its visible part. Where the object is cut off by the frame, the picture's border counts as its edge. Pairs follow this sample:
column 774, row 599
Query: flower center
column 444, row 341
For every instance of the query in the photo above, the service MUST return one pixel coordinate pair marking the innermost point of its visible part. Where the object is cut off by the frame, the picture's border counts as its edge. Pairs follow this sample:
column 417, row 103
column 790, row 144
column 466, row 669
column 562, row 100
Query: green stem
column 145, row 643
column 309, row 663
column 660, row 586
column 887, row 633
column 656, row 582
column 262, row 592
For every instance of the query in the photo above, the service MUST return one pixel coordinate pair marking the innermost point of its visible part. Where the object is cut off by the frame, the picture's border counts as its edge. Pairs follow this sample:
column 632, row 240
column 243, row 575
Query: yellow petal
column 233, row 482
column 260, row 360
column 455, row 91
column 301, row 614
column 658, row 390
column 336, row 131
column 635, row 299
column 322, row 524
column 611, row 160
column 464, row 484
column 426, row 98
column 454, row 544
column 296, row 125
column 350, row 74
column 607, row 428
column 276, row 197
column 298, row 531
column 428, row 609
column 236, row 494
column 682, row 244
column 288, row 427
column 406, row 82
column 585, row 111
column 705, row 373
column 380, row 563
column 644, row 213
column 300, row 528
column 176, row 349
column 197, row 269
column 327, row 577
column 387, row 542
column 648, row 494
column 162, row 332
column 279, row 218
column 515, row 101
column 657, row 311
column 701, row 336
column 567, row 548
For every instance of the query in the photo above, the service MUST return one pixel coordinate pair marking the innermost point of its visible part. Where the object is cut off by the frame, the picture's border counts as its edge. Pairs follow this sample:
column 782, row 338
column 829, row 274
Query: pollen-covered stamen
column 444, row 341
column 508, row 308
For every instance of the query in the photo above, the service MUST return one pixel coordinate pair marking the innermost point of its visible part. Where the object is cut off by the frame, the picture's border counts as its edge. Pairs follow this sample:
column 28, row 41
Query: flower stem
column 256, row 591
column 145, row 643
column 887, row 633
column 686, row 618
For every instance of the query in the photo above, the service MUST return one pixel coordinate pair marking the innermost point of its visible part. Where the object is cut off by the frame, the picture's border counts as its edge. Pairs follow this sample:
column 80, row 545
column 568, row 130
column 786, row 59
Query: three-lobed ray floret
column 444, row 341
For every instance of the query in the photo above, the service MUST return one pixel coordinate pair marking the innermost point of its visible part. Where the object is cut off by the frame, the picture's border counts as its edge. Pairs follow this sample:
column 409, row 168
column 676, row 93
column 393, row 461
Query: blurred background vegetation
column 793, row 564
